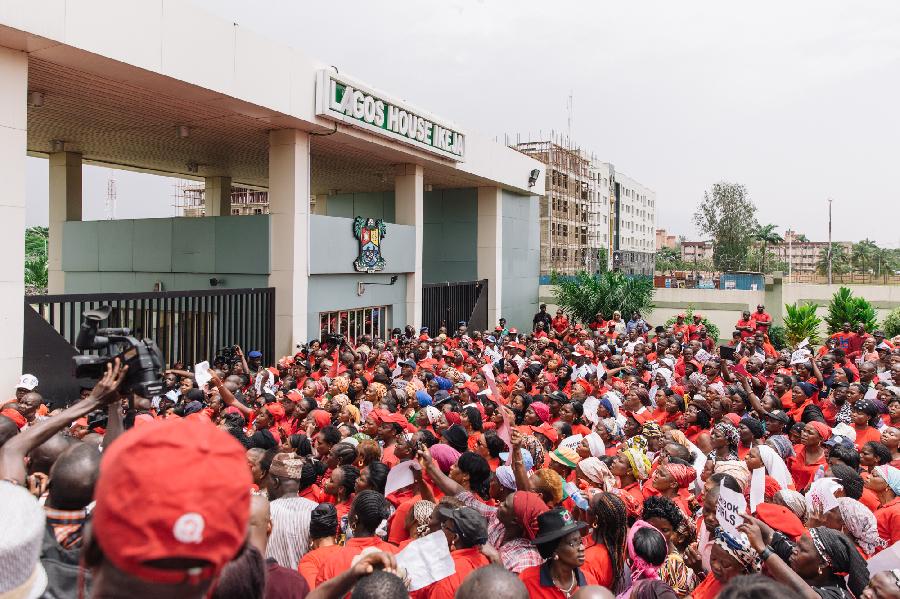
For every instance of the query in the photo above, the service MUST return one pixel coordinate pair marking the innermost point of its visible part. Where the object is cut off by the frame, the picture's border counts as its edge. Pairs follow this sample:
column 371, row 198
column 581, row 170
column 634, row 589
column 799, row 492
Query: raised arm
column 13, row 452
column 523, row 483
column 447, row 485
column 777, row 568
column 228, row 397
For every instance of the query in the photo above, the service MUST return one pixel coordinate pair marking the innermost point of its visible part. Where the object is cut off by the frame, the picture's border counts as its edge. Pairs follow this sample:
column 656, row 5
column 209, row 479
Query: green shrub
column 776, row 336
column 584, row 295
column 844, row 307
column 801, row 322
column 891, row 326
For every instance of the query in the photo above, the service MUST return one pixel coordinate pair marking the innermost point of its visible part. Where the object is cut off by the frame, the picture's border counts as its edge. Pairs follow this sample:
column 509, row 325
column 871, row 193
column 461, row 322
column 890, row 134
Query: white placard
column 729, row 508
column 885, row 560
column 201, row 373
column 757, row 488
column 399, row 476
column 426, row 560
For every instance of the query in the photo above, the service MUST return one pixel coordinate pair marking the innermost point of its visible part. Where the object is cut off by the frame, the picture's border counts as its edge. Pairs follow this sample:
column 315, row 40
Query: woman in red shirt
column 341, row 486
column 559, row 543
column 605, row 559
column 865, row 415
column 810, row 455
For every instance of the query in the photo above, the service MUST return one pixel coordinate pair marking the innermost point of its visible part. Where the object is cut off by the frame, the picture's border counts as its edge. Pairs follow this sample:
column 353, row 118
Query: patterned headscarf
column 891, row 475
column 781, row 444
column 598, row 473
column 341, row 383
column 729, row 432
column 340, row 400
column 639, row 462
column 735, row 468
column 795, row 502
column 354, row 413
column 421, row 512
column 506, row 477
column 683, row 475
column 860, row 524
column 740, row 550
column 535, row 448
column 612, row 427
column 638, row 442
column 379, row 389
column 433, row 414
column 651, row 430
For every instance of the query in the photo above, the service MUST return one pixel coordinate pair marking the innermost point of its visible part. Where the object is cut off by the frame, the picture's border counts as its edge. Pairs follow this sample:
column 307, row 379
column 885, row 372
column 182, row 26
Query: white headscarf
column 775, row 466
column 598, row 447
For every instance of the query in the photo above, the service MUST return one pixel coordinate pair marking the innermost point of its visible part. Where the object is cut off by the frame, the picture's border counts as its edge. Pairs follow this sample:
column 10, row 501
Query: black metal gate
column 446, row 304
column 188, row 326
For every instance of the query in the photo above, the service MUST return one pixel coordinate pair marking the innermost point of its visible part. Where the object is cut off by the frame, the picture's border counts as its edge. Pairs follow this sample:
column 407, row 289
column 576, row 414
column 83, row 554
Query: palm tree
column 766, row 234
column 863, row 255
column 840, row 261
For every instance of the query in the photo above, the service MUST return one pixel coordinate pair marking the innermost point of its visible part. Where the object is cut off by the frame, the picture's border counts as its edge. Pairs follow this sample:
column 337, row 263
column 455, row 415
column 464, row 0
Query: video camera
column 142, row 356
column 227, row 355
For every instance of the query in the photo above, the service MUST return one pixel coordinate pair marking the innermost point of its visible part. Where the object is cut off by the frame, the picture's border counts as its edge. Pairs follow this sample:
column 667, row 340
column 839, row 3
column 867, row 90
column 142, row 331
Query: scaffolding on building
column 190, row 200
column 571, row 208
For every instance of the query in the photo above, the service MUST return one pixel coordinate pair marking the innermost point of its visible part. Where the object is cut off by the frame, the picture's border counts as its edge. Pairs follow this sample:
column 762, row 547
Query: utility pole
column 829, row 240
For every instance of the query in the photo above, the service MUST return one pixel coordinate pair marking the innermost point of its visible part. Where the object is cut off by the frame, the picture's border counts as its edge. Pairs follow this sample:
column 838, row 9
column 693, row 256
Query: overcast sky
column 796, row 100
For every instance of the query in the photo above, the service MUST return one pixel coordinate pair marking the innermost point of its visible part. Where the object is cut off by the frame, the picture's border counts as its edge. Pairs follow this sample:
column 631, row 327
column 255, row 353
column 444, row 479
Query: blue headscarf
column 443, row 384
column 424, row 399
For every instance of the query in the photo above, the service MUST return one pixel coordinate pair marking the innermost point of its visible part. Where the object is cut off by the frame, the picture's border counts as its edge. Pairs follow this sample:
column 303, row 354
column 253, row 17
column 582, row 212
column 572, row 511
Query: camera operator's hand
column 106, row 389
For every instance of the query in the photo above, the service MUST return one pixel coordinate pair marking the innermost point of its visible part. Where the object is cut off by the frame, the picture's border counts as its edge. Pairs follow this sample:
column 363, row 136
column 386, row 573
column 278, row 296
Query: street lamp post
column 829, row 240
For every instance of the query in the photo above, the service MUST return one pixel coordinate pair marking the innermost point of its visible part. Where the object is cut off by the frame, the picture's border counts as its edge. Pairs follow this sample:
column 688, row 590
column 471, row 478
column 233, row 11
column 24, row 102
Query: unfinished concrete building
column 572, row 210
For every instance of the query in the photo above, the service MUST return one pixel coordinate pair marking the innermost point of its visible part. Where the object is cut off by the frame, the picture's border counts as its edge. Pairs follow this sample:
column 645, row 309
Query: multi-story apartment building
column 590, row 214
column 664, row 240
column 696, row 251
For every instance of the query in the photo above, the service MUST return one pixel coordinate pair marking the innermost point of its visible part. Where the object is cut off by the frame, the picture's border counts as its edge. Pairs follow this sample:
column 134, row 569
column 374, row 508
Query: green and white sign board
column 343, row 99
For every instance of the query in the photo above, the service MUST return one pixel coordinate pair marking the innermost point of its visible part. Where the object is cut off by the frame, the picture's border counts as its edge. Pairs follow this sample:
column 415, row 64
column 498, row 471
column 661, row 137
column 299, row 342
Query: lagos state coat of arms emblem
column 369, row 232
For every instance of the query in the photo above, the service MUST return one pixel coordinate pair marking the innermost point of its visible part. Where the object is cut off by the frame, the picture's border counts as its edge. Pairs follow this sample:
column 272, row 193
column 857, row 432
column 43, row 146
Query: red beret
column 780, row 518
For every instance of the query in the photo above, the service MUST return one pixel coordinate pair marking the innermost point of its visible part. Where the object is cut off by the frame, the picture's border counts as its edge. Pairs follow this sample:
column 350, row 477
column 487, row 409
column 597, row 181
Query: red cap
column 148, row 511
column 733, row 418
column 294, row 395
column 394, row 417
column 780, row 518
column 16, row 417
column 548, row 431
column 513, row 331
column 642, row 418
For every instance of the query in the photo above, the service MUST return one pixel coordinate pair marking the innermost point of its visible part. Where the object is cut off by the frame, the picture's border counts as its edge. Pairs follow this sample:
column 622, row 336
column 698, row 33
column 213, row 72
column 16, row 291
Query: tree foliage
column 766, row 235
column 891, row 324
column 844, row 307
column 801, row 322
column 728, row 216
column 840, row 261
column 584, row 295
column 36, row 271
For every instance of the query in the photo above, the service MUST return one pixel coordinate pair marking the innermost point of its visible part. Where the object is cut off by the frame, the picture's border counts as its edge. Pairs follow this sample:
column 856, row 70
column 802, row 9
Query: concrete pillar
column 13, row 145
column 65, row 204
column 321, row 207
column 217, row 195
column 288, row 237
column 490, row 248
column 409, row 189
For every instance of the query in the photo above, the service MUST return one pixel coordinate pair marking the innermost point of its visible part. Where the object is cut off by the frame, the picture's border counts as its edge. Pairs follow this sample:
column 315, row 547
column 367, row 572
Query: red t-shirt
column 598, row 564
column 312, row 562
column 339, row 561
column 545, row 589
column 465, row 561
column 762, row 320
column 802, row 472
column 888, row 519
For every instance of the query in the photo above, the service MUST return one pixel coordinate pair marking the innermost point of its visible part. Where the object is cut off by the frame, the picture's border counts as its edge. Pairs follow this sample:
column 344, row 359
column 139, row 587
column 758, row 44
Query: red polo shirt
column 540, row 585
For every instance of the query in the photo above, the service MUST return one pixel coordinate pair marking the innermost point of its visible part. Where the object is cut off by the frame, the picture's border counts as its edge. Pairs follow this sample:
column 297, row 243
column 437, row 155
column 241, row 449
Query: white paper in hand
column 399, row 476
column 757, row 488
column 426, row 560
column 201, row 374
column 729, row 508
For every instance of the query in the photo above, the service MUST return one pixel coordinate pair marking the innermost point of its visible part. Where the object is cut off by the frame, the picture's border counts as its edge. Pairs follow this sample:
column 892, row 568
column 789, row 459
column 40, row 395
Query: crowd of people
column 583, row 460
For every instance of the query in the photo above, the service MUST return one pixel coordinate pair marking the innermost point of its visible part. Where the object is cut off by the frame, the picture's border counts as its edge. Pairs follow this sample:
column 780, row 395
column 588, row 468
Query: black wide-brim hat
column 555, row 524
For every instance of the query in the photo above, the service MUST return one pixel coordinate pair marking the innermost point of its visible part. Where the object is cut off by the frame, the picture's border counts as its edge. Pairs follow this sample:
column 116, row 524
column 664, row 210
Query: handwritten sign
column 729, row 508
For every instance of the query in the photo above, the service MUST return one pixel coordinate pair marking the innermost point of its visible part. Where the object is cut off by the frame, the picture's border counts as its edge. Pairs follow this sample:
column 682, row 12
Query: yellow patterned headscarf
column 379, row 389
column 639, row 462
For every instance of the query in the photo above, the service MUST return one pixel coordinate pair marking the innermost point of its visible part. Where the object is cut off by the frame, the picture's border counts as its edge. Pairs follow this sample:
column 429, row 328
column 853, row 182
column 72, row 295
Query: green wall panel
column 193, row 245
column 114, row 236
column 450, row 235
column 241, row 244
column 374, row 204
column 80, row 249
column 152, row 245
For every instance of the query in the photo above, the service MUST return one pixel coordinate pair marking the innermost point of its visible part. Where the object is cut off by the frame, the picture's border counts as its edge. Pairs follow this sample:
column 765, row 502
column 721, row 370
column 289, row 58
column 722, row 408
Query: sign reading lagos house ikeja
column 340, row 98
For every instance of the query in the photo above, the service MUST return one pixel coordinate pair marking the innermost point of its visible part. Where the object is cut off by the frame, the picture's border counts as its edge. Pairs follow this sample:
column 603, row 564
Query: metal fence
column 856, row 278
column 188, row 326
column 446, row 304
